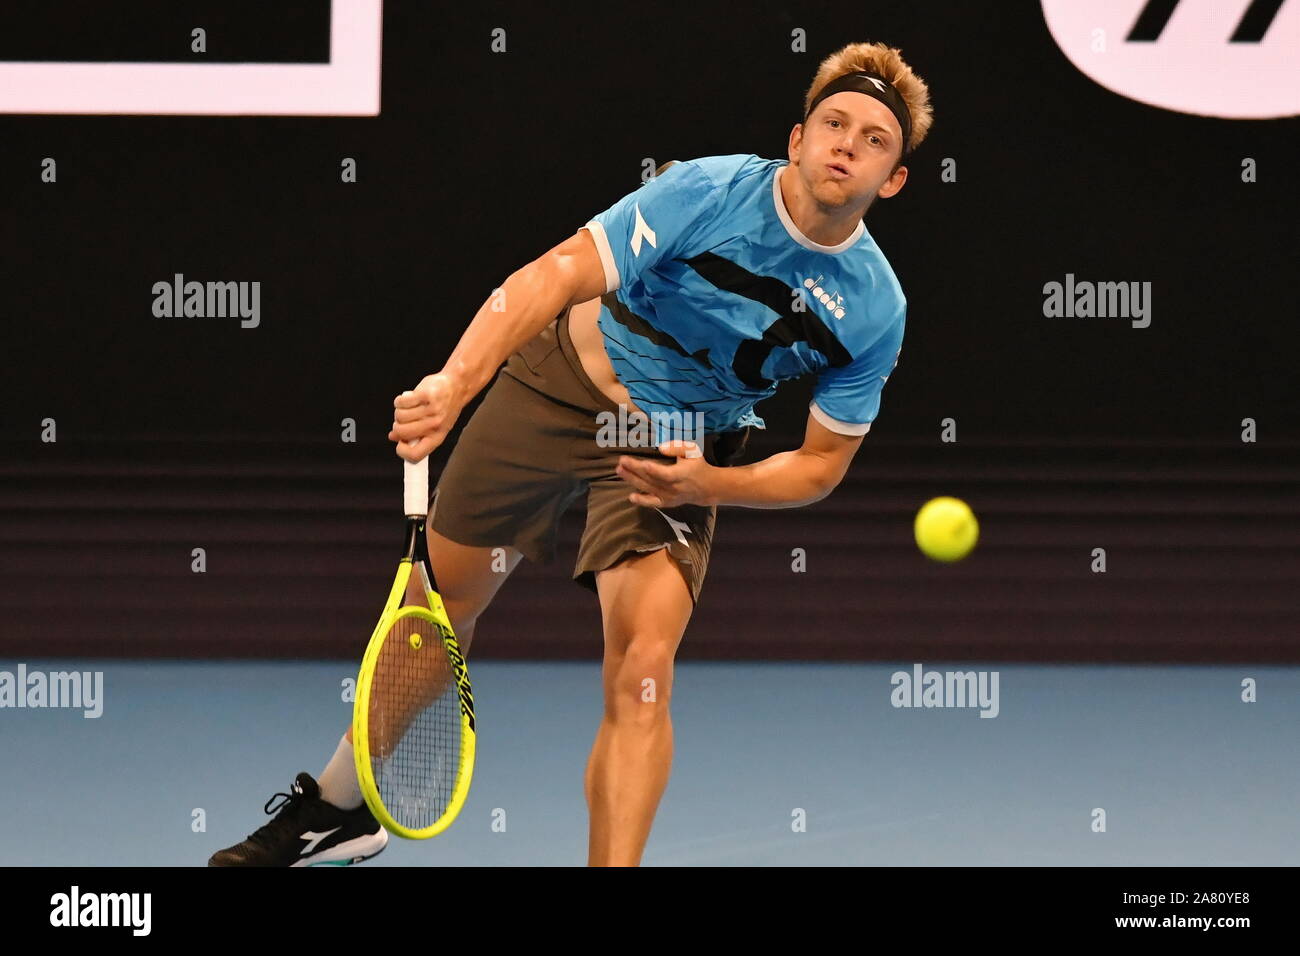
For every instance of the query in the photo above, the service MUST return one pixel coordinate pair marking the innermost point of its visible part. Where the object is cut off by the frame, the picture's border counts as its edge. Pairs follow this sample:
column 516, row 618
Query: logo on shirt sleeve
column 885, row 378
column 641, row 231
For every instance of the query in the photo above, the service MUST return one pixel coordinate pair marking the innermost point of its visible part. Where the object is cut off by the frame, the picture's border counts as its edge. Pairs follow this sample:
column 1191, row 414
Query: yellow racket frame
column 436, row 615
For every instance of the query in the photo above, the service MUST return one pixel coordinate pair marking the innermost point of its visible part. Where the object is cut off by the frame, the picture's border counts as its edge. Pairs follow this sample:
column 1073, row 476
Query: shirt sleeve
column 847, row 399
column 652, row 223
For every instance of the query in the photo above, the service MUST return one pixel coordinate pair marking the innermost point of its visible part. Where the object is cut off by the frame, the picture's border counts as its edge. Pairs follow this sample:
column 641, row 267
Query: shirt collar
column 784, row 215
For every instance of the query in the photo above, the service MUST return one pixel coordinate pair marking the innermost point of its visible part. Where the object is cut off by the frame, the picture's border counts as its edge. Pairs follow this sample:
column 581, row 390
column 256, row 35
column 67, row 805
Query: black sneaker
column 307, row 831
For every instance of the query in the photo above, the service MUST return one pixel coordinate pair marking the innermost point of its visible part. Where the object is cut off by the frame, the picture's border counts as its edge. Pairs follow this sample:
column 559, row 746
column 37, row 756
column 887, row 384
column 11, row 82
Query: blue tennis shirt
column 713, row 296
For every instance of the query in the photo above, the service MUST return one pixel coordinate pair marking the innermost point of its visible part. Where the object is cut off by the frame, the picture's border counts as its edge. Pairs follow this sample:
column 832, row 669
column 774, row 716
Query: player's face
column 846, row 151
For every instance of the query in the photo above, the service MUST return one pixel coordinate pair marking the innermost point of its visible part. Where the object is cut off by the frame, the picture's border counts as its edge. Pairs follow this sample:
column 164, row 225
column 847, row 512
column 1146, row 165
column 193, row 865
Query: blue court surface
column 1186, row 772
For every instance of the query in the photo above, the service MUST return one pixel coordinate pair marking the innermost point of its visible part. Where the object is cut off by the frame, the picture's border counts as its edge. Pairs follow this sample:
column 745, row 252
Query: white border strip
column 612, row 279
column 835, row 425
column 349, row 85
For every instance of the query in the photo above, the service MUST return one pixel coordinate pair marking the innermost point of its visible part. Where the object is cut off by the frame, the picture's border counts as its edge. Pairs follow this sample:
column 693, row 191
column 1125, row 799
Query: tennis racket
column 413, row 719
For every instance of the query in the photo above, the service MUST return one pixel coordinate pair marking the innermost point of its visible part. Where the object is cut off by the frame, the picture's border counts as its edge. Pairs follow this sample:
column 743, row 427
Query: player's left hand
column 685, row 481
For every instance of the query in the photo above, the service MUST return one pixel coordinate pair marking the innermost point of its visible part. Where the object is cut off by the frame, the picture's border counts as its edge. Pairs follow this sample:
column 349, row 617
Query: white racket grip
column 416, row 486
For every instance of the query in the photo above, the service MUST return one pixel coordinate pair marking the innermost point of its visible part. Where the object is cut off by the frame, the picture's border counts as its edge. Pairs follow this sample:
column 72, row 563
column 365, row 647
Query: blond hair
column 887, row 62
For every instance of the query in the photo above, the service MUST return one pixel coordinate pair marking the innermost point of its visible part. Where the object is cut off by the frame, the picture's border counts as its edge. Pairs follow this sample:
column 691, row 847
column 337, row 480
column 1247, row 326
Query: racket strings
column 415, row 723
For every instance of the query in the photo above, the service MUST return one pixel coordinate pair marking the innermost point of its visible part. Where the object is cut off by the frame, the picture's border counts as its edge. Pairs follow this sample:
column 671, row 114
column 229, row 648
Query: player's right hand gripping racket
column 413, row 720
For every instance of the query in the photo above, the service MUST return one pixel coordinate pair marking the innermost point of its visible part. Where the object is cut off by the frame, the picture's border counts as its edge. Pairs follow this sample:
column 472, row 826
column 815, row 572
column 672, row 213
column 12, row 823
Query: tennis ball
column 946, row 529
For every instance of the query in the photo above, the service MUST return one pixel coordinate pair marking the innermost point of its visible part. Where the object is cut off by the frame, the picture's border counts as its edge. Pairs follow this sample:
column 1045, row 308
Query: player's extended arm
column 528, row 301
column 790, row 479
column 524, row 305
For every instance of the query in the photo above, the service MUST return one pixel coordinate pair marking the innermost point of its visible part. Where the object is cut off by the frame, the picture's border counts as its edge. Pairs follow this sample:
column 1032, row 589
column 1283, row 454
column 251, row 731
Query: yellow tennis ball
column 416, row 641
column 946, row 529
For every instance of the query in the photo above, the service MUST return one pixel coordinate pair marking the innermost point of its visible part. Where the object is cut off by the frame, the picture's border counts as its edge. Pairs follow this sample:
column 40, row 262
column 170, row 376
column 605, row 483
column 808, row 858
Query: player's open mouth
column 838, row 171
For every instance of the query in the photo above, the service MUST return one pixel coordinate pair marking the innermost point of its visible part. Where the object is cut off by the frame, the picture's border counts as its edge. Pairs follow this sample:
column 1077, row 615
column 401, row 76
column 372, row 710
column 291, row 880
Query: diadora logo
column 641, row 231
column 885, row 378
column 833, row 301
column 1233, row 59
column 313, row 838
column 680, row 528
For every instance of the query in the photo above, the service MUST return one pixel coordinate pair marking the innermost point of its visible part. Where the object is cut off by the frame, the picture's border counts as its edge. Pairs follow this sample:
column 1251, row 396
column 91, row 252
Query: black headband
column 871, row 84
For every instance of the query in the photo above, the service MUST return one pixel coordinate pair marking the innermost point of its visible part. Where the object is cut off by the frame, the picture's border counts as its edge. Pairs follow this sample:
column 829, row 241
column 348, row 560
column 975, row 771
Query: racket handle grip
column 416, row 487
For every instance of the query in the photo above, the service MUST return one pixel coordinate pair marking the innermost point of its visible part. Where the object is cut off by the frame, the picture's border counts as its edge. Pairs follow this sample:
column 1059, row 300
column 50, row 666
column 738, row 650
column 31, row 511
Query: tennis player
column 676, row 309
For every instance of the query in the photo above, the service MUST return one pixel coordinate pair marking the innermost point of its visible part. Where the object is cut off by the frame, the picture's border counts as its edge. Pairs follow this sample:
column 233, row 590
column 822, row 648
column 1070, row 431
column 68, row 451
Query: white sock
column 338, row 781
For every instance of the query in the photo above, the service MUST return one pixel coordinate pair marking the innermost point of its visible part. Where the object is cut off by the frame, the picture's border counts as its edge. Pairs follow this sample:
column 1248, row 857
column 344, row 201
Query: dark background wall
column 1073, row 434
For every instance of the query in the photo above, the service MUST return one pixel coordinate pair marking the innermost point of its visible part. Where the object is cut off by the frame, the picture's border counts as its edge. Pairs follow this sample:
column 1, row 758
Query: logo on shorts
column 678, row 527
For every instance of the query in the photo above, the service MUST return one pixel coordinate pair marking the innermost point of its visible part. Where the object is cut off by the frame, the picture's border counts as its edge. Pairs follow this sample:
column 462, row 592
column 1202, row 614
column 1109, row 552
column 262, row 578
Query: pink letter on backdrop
column 346, row 86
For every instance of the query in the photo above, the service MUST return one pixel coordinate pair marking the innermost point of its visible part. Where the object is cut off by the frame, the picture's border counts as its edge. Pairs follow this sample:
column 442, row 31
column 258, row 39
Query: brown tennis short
column 530, row 450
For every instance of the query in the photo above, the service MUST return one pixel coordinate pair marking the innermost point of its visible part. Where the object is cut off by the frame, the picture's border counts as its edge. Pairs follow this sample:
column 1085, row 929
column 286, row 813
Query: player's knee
column 640, row 688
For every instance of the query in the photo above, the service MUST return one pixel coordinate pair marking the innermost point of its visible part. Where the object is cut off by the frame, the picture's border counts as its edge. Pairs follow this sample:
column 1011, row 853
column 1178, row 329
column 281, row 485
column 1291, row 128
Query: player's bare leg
column 645, row 605
column 468, row 580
